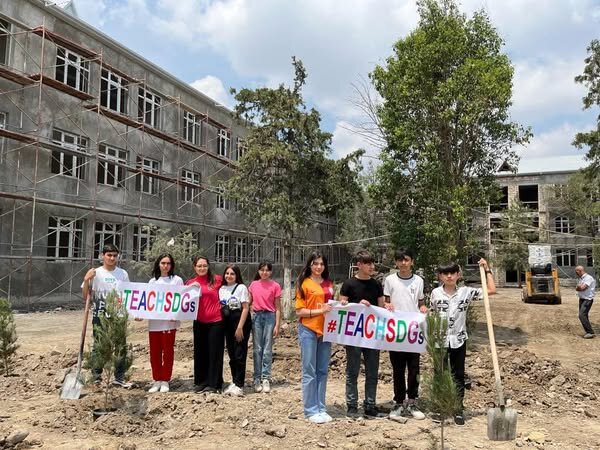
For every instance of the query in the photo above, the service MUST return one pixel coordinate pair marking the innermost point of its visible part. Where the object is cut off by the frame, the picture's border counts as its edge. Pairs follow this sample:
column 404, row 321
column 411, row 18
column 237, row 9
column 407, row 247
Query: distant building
column 99, row 145
column 571, row 244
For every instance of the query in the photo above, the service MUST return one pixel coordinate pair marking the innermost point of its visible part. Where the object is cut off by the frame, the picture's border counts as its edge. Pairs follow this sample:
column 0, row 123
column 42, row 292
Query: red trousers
column 162, row 354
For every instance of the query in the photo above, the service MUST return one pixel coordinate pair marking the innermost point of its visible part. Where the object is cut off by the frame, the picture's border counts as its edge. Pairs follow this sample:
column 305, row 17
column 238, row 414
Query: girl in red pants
column 162, row 332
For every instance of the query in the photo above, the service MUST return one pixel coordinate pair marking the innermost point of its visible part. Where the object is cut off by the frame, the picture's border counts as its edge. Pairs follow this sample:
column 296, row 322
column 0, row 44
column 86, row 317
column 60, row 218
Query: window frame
column 143, row 237
column 193, row 125
column 277, row 251
column 5, row 33
column 74, row 229
column 145, row 183
column 104, row 235
column 58, row 158
column 240, row 249
column 562, row 223
column 223, row 143
column 109, row 162
column 569, row 254
column 80, row 65
column 147, row 97
column 109, row 82
column 189, row 176
column 221, row 248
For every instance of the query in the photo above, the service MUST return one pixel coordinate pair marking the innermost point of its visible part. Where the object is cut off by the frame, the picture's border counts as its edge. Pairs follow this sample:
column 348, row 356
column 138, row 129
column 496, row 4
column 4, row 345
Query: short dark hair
column 402, row 253
column 450, row 267
column 110, row 248
column 364, row 256
column 262, row 264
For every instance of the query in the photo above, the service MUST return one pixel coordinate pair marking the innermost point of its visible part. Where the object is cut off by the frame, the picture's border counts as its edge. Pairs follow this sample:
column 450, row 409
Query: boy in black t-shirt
column 367, row 291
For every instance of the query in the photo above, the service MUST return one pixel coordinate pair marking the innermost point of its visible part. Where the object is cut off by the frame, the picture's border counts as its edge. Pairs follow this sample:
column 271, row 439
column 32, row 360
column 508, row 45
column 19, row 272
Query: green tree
column 516, row 230
column 590, row 78
column 110, row 343
column 446, row 93
column 8, row 336
column 182, row 246
column 440, row 391
column 285, row 180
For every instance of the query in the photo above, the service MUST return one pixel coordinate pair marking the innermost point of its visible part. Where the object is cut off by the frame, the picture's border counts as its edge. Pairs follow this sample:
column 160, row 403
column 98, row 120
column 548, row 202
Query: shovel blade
column 502, row 424
column 71, row 388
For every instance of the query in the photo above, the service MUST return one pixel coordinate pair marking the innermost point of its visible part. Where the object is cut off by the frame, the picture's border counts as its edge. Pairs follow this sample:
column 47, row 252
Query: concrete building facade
column 571, row 242
column 99, row 145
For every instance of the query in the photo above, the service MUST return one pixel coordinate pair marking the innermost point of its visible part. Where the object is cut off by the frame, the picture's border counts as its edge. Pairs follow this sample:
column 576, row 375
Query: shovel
column 71, row 388
column 501, row 421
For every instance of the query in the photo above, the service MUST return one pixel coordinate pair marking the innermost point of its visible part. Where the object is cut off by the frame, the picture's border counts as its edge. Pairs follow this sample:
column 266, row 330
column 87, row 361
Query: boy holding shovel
column 99, row 283
column 452, row 303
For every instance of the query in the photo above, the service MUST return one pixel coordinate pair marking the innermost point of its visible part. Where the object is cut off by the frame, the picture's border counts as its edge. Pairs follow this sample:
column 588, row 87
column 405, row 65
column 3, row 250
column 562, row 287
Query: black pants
column 371, row 358
column 209, row 347
column 457, row 367
column 584, row 314
column 237, row 351
column 401, row 361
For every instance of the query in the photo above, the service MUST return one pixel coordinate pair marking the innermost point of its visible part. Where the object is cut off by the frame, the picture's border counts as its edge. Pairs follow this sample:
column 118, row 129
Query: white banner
column 159, row 301
column 374, row 327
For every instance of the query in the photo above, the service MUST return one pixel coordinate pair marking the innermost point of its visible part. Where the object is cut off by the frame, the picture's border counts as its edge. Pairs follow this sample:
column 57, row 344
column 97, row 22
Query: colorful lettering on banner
column 374, row 327
column 159, row 301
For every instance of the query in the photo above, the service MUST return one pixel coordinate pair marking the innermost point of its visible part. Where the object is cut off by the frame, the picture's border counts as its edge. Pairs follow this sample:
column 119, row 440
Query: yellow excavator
column 541, row 279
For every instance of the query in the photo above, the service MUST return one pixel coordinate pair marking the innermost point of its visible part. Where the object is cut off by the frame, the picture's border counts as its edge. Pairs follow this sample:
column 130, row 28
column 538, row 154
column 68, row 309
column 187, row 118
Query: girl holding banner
column 233, row 296
column 313, row 292
column 209, row 332
column 161, row 333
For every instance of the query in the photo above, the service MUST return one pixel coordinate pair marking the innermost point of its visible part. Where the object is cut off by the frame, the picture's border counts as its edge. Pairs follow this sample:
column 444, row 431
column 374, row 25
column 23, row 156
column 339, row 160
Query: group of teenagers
column 229, row 312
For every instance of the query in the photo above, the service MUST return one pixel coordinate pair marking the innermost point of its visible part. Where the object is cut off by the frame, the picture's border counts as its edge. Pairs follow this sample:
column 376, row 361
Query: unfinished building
column 99, row 145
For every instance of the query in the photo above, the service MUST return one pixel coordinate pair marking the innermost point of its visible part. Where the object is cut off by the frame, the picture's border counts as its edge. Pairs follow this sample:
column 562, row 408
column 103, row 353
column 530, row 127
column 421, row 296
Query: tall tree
column 591, row 80
column 285, row 179
column 446, row 93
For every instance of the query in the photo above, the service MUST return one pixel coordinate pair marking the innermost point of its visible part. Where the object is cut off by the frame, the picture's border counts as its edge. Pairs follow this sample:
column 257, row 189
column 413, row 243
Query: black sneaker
column 372, row 411
column 459, row 419
column 351, row 411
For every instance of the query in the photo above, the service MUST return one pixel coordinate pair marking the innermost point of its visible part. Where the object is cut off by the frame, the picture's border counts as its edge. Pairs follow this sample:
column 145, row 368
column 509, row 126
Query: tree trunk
column 442, row 434
column 287, row 303
column 519, row 278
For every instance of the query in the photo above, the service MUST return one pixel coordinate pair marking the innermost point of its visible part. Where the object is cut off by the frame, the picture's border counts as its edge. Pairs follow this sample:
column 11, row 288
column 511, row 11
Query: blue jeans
column 263, row 324
column 315, row 365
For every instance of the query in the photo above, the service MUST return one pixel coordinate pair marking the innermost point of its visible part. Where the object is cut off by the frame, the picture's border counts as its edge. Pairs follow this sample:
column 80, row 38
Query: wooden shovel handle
column 490, row 327
column 86, row 313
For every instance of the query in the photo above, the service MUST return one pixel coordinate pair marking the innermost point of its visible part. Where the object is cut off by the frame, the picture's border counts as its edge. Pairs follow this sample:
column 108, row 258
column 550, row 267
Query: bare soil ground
column 551, row 375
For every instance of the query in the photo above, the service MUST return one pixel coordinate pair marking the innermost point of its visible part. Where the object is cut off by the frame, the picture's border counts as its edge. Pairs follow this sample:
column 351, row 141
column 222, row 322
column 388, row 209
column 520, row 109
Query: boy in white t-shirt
column 99, row 283
column 403, row 291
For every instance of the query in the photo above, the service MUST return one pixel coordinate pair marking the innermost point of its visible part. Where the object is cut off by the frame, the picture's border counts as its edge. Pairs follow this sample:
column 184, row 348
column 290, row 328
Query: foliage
column 110, row 349
column 445, row 115
column 364, row 219
column 285, row 180
column 8, row 336
column 516, row 230
column 440, row 391
column 590, row 78
column 182, row 246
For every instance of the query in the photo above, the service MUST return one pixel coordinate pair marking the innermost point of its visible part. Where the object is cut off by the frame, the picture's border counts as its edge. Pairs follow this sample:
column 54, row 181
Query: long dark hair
column 307, row 272
column 156, row 269
column 262, row 264
column 236, row 270
column 209, row 274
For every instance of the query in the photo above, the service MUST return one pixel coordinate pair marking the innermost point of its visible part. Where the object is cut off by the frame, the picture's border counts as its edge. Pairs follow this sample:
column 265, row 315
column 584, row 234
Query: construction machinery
column 541, row 279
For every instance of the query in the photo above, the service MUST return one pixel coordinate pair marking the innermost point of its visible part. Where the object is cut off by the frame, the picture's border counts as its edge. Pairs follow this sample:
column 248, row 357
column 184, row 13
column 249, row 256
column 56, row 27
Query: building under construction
column 98, row 145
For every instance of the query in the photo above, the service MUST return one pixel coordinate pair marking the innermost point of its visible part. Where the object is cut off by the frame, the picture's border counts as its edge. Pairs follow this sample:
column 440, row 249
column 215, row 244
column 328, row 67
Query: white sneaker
column 266, row 386
column 164, row 387
column 326, row 417
column 398, row 411
column 414, row 411
column 258, row 387
column 155, row 387
column 227, row 390
column 317, row 418
column 238, row 391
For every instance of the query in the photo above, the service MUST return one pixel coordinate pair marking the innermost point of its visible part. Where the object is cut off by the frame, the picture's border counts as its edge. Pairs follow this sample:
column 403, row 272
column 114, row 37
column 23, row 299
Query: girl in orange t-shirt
column 314, row 291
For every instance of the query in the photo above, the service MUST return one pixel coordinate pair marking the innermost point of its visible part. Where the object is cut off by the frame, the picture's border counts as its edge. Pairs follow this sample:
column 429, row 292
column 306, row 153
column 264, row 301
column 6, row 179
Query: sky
column 218, row 44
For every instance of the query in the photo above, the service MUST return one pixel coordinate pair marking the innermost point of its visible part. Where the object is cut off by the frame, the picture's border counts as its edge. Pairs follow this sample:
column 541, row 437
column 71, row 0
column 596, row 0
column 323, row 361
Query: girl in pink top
column 209, row 331
column 265, row 298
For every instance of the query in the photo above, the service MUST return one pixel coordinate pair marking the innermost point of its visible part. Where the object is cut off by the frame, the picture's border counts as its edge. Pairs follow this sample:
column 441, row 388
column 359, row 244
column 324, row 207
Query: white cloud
column 345, row 141
column 554, row 142
column 544, row 90
column 213, row 87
